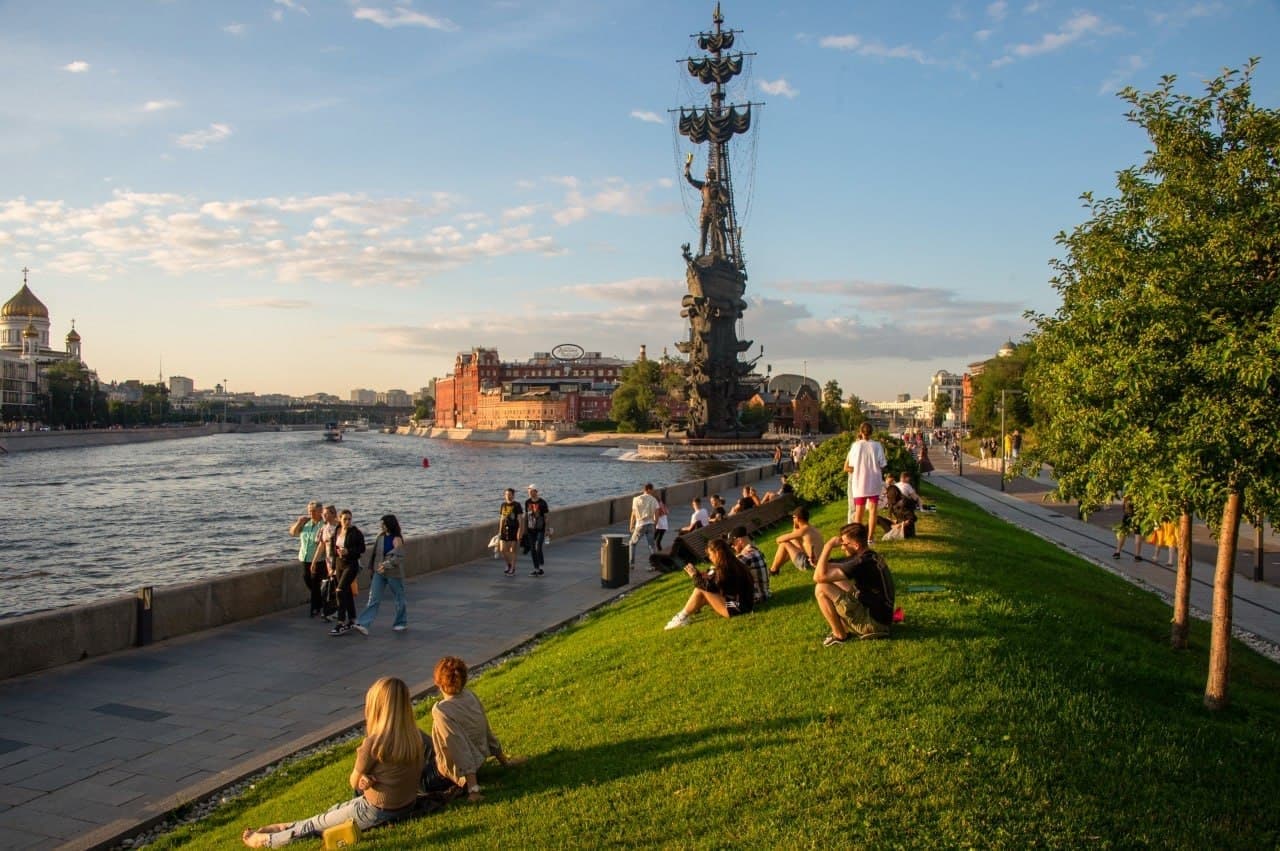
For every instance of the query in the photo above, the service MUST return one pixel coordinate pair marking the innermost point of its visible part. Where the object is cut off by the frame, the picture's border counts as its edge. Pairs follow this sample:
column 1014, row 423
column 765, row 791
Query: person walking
column 324, row 562
column 307, row 530
column 535, row 528
column 350, row 545
column 643, row 522
column 664, row 521
column 865, row 465
column 386, row 562
column 510, row 529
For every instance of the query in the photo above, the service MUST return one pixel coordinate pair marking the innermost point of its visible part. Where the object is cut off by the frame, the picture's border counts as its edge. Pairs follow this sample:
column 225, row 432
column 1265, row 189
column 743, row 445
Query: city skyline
column 292, row 196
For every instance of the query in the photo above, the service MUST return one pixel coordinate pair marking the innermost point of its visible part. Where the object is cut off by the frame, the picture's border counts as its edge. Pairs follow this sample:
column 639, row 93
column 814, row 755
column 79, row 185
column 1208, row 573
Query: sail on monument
column 717, row 275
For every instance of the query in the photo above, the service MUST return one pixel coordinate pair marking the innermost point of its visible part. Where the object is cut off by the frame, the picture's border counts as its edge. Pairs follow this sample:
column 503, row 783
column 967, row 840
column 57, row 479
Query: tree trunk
column 1182, row 586
column 1215, row 689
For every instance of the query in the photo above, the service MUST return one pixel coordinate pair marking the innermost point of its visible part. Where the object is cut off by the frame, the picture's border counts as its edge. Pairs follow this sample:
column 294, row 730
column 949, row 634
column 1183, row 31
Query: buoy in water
column 426, row 463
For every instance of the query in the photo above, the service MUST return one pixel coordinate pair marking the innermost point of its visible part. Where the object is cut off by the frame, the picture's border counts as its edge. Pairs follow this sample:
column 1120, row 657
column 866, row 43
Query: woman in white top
column 865, row 465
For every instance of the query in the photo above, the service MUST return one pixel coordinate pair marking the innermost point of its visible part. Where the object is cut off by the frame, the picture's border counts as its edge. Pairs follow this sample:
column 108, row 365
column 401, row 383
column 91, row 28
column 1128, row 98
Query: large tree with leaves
column 636, row 396
column 1158, row 375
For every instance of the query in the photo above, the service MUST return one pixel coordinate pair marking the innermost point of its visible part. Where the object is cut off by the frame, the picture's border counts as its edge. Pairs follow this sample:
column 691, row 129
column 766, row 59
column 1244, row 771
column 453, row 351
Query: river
column 83, row 524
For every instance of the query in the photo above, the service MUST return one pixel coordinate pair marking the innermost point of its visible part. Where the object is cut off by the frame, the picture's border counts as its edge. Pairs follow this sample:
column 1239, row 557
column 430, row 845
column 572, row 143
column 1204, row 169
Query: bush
column 821, row 478
column 589, row 426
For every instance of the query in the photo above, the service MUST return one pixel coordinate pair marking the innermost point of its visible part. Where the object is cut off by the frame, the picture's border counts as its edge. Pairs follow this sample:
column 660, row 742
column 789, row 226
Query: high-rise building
column 180, row 387
column 362, row 396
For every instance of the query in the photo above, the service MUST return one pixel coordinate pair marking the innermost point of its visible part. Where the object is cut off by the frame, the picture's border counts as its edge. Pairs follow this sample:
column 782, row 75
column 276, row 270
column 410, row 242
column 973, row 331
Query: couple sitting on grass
column 855, row 594
column 390, row 761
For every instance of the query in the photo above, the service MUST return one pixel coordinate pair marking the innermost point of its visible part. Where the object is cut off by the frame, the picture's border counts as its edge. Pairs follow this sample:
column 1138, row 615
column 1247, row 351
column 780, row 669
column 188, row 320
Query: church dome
column 25, row 303
column 73, row 336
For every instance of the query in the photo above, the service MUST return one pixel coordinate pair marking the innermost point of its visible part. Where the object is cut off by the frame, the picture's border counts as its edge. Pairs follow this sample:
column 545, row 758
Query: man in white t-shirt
column 865, row 465
column 644, row 514
column 699, row 518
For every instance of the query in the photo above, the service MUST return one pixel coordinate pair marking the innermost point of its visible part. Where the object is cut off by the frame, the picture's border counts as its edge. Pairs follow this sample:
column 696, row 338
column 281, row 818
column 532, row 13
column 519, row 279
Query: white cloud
column 271, row 303
column 645, row 115
column 341, row 238
column 292, row 6
column 77, row 67
column 873, row 48
column 522, row 212
column 160, row 105
column 402, row 16
column 611, row 196
column 1033, row 7
column 234, row 29
column 198, row 140
column 1122, row 75
column 997, row 10
column 1077, row 27
column 779, row 87
column 982, row 35
column 1182, row 15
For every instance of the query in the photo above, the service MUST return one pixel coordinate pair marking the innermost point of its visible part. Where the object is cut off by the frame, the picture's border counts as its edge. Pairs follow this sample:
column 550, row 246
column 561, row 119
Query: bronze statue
column 715, row 201
column 717, row 276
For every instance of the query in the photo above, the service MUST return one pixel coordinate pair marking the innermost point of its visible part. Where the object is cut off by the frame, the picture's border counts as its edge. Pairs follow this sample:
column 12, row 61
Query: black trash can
column 615, row 561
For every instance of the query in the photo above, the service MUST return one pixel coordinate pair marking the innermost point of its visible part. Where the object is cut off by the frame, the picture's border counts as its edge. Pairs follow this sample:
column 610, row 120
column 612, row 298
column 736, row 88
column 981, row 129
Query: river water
column 83, row 524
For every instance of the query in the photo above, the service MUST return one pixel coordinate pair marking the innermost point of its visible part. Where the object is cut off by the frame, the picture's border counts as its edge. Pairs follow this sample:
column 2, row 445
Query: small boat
column 333, row 432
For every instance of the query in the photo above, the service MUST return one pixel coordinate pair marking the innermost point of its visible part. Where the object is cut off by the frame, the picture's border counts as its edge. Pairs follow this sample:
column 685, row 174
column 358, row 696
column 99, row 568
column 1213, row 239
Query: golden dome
column 73, row 336
column 25, row 303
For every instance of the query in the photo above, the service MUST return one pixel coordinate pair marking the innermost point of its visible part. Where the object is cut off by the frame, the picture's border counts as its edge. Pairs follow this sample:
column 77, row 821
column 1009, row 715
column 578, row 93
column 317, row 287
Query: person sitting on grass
column 855, row 594
column 727, row 587
column 783, row 490
column 800, row 545
column 388, row 764
column 460, row 731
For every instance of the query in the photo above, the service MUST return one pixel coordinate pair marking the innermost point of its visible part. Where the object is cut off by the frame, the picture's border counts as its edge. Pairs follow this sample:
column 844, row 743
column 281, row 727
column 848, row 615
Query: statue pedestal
column 713, row 307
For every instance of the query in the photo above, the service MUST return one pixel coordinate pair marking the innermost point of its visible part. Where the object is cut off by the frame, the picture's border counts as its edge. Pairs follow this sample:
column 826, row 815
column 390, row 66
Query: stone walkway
column 99, row 750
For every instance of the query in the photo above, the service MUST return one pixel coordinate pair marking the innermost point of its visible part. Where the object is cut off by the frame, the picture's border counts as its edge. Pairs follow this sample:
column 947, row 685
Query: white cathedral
column 25, row 351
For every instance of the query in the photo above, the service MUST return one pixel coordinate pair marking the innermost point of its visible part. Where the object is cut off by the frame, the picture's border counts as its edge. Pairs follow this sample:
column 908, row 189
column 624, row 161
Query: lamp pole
column 1003, row 391
column 225, row 393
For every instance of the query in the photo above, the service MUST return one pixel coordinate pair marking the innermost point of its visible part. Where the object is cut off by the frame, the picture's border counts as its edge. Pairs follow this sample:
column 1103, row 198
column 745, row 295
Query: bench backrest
column 692, row 546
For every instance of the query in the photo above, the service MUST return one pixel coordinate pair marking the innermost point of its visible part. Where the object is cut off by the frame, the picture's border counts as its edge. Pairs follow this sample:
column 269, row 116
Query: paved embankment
column 98, row 750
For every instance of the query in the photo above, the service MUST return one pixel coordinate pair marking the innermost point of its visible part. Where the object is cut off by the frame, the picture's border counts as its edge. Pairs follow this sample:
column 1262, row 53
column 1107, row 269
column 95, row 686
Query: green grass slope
column 1034, row 702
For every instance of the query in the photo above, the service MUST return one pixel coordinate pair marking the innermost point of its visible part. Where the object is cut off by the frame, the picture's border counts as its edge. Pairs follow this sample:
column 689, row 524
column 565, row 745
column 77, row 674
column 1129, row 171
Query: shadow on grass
column 571, row 768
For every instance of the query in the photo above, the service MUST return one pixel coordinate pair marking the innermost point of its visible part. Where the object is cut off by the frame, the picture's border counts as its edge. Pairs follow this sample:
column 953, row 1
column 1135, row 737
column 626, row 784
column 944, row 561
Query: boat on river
column 333, row 432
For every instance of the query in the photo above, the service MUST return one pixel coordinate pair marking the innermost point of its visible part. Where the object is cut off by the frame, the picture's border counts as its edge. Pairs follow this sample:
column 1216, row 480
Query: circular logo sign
column 568, row 351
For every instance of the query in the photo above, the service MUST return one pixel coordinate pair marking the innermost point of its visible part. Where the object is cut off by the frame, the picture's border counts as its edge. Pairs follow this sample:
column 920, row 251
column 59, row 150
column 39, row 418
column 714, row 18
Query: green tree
column 941, row 407
column 831, row 409
column 1158, row 374
column 854, row 416
column 72, row 395
column 637, row 393
column 1001, row 373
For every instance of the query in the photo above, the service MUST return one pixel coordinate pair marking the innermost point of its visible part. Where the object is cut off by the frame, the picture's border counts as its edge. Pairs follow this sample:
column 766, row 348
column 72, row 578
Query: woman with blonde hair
column 460, row 730
column 388, row 766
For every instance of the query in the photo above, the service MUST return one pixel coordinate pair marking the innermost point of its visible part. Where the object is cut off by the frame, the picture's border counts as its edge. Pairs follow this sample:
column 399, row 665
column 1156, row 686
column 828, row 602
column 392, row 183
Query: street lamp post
column 1003, row 453
column 225, row 393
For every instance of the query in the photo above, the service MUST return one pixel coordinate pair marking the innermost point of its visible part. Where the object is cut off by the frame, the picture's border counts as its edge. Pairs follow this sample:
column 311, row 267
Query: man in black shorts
column 855, row 595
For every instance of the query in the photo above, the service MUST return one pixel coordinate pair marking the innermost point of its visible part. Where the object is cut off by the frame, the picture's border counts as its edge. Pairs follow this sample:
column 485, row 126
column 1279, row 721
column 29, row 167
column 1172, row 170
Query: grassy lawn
column 1034, row 702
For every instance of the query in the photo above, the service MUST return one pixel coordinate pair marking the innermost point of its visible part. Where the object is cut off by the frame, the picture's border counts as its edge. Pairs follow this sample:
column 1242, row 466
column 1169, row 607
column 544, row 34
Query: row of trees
column 74, row 400
column 1159, row 374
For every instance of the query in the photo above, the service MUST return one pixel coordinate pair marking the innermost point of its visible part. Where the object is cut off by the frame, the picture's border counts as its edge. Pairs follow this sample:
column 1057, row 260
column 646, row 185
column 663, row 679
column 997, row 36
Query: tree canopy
column 1157, row 375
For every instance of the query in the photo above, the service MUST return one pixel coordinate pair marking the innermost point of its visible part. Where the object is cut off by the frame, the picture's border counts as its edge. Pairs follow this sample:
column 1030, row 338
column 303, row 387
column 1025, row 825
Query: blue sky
column 306, row 195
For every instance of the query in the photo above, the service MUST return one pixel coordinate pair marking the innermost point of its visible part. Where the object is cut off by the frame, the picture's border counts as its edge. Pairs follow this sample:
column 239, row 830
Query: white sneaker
column 360, row 629
column 399, row 627
column 681, row 619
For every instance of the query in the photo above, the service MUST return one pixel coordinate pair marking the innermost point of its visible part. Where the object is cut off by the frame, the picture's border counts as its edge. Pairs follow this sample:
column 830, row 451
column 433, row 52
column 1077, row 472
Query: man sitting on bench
column 699, row 519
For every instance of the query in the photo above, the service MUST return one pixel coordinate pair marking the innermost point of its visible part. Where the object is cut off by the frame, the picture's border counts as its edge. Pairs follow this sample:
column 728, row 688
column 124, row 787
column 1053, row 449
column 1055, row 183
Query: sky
column 317, row 195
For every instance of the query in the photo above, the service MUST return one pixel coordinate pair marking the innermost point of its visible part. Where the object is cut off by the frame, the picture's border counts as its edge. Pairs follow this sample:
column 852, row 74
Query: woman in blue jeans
column 385, row 777
column 386, row 560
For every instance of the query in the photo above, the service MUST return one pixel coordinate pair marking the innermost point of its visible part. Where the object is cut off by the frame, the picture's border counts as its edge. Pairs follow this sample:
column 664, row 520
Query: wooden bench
column 691, row 547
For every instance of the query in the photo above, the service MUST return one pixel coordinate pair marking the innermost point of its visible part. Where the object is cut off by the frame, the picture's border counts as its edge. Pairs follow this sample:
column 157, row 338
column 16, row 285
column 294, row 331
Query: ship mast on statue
column 717, row 276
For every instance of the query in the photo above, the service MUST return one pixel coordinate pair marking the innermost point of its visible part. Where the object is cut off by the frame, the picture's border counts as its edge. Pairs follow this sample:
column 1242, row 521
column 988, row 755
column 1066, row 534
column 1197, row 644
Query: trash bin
column 615, row 561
